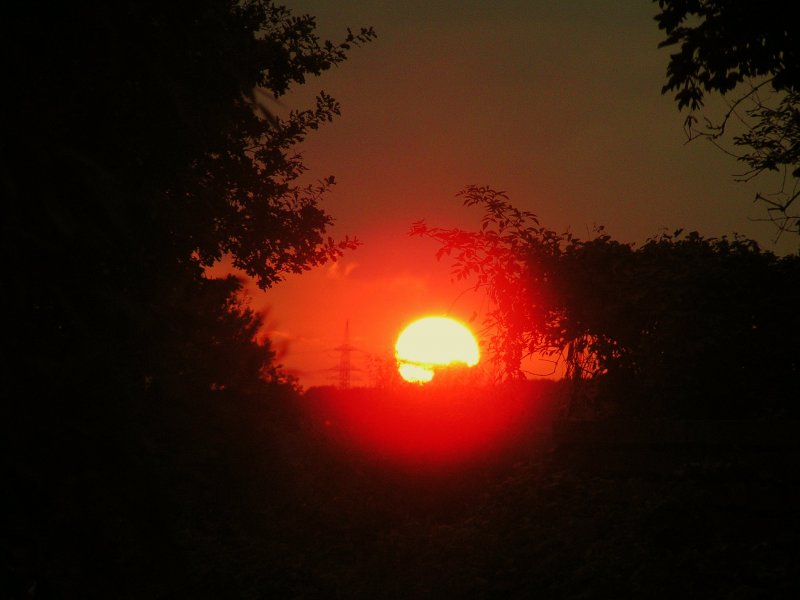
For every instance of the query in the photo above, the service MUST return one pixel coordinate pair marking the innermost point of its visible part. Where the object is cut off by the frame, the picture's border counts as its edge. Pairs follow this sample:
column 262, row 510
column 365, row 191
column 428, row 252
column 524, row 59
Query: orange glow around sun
column 431, row 427
column 434, row 342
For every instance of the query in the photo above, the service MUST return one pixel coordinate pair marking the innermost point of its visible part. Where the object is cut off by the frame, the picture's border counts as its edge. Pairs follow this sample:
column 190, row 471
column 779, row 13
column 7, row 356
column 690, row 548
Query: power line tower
column 345, row 367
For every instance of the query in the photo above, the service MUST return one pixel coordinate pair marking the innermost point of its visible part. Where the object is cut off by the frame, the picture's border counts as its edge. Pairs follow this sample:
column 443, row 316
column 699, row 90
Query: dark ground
column 194, row 514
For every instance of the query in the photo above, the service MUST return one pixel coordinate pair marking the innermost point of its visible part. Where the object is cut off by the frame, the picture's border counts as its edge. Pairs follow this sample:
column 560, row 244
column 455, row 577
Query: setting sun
column 434, row 342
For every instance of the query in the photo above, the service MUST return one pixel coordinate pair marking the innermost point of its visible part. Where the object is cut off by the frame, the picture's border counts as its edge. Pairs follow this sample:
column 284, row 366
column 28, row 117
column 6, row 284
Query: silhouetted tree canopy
column 748, row 53
column 681, row 325
column 139, row 146
column 723, row 43
column 154, row 111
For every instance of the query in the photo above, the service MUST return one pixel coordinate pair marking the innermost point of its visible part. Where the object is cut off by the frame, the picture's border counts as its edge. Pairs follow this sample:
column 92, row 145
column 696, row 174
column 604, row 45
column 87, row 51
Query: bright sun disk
column 433, row 342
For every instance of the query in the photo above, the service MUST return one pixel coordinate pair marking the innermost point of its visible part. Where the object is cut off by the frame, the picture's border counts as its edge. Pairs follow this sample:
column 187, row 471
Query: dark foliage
column 723, row 43
column 152, row 450
column 139, row 147
column 204, row 514
column 136, row 151
column 748, row 53
column 682, row 325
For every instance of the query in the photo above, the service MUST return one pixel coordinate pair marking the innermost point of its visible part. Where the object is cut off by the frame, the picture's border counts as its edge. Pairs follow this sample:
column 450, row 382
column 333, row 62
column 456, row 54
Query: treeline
column 680, row 326
column 152, row 447
column 140, row 145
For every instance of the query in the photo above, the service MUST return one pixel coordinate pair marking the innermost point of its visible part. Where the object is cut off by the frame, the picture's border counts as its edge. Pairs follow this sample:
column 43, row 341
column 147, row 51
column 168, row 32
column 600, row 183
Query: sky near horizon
column 557, row 103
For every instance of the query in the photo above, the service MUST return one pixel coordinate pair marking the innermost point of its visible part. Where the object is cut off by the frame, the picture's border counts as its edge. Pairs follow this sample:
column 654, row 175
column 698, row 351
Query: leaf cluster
column 139, row 148
column 151, row 123
column 723, row 43
column 724, row 46
column 673, row 321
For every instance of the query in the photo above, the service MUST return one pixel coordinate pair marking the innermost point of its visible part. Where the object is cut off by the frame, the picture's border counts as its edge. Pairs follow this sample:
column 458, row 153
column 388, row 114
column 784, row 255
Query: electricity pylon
column 345, row 367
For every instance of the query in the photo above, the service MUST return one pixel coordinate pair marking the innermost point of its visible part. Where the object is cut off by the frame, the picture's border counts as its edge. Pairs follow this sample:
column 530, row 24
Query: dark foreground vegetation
column 680, row 326
column 152, row 447
column 233, row 496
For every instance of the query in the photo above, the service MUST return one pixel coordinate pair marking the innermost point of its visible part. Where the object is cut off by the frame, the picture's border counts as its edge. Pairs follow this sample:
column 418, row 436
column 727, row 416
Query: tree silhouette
column 138, row 149
column 672, row 327
column 749, row 54
column 140, row 144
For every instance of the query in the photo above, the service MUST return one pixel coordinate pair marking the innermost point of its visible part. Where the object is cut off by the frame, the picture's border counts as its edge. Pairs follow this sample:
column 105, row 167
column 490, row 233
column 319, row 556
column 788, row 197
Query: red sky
column 558, row 103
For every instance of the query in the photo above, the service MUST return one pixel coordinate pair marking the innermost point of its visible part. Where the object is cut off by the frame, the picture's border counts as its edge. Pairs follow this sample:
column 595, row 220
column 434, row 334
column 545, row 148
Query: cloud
column 340, row 269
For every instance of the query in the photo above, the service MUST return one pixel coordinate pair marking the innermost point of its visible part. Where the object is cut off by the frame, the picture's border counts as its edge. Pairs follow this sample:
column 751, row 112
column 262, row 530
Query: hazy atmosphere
column 557, row 103
column 400, row 300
